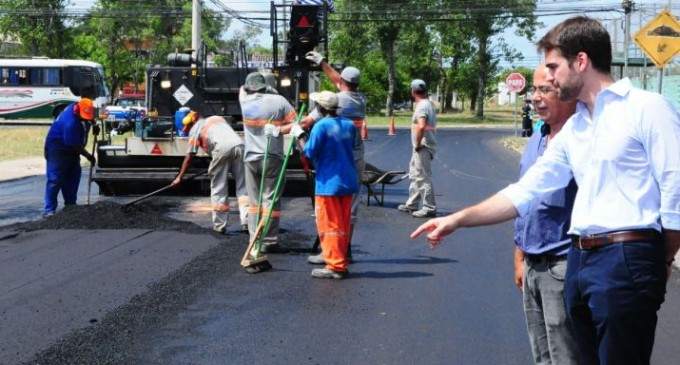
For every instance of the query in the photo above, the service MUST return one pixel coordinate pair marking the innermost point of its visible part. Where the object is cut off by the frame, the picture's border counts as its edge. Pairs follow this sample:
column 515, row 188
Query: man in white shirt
column 622, row 148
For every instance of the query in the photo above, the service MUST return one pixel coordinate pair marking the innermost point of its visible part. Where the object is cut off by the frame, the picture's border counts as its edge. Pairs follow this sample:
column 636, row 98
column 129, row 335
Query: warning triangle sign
column 304, row 22
column 156, row 150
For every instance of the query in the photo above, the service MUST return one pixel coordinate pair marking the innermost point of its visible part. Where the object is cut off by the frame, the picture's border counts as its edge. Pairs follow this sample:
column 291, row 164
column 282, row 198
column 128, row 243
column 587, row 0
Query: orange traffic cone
column 364, row 131
column 390, row 131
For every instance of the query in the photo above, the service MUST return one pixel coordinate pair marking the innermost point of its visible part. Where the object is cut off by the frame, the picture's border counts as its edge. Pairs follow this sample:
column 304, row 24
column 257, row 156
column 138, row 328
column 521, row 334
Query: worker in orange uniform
column 216, row 137
column 330, row 146
column 351, row 105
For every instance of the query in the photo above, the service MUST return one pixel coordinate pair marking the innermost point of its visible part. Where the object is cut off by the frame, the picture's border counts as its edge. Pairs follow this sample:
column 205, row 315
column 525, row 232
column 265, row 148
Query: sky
column 549, row 12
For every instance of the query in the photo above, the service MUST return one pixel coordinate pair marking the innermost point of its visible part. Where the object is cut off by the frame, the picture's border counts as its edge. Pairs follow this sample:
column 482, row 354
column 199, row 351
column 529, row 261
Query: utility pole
column 627, row 8
column 196, row 26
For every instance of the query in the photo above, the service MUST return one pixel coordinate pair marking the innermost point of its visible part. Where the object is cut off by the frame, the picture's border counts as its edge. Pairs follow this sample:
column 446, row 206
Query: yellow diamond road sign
column 660, row 38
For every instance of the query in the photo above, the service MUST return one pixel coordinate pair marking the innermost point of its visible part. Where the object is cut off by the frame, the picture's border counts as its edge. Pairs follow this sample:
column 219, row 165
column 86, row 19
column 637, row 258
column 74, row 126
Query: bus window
column 45, row 76
column 20, row 76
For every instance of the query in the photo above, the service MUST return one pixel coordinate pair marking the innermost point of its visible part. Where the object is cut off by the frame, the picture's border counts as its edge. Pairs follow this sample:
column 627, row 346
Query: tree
column 39, row 25
column 113, row 35
column 488, row 18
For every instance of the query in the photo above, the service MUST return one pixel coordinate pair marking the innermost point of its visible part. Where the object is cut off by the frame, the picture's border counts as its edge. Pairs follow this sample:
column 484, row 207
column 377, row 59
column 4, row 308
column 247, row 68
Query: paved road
column 403, row 303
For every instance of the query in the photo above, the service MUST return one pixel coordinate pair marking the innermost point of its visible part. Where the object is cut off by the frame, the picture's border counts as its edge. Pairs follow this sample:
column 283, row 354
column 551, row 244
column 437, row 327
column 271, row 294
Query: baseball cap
column 418, row 84
column 351, row 75
column 326, row 99
column 255, row 82
column 86, row 109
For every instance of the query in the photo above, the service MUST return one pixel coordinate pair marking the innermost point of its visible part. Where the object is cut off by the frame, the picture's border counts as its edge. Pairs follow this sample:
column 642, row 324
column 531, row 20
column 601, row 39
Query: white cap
column 326, row 99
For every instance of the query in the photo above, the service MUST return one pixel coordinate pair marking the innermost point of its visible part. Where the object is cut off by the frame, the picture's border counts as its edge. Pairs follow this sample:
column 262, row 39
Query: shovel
column 89, row 179
column 127, row 207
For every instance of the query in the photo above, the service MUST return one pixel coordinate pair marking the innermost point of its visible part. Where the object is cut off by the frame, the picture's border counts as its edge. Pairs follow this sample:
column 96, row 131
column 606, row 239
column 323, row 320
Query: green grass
column 21, row 142
column 493, row 116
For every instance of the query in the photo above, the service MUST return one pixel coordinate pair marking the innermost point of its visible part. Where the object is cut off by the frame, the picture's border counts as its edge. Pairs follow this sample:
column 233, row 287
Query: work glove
column 113, row 133
column 271, row 130
column 297, row 131
column 95, row 129
column 92, row 160
column 315, row 57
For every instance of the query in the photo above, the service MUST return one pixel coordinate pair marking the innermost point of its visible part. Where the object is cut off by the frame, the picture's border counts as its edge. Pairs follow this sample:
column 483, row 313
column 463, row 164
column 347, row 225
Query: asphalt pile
column 108, row 215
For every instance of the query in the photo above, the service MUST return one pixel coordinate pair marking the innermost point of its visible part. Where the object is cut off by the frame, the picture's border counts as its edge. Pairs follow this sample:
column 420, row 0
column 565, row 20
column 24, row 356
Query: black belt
column 537, row 258
column 606, row 239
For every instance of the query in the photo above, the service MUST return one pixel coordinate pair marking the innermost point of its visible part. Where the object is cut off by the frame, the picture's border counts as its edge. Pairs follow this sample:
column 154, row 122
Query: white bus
column 39, row 87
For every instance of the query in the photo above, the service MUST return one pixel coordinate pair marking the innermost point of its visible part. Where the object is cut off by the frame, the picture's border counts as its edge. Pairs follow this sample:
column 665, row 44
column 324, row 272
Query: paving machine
column 154, row 145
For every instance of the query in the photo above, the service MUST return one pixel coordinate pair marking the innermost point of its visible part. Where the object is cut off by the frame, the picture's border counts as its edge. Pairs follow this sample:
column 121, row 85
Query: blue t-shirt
column 330, row 146
column 67, row 132
column 544, row 229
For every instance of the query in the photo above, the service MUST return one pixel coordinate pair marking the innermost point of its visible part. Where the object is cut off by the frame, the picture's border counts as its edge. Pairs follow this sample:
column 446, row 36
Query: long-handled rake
column 253, row 260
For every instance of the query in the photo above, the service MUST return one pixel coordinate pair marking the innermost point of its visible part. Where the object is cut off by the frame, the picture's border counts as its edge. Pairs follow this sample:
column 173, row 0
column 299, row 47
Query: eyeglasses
column 542, row 90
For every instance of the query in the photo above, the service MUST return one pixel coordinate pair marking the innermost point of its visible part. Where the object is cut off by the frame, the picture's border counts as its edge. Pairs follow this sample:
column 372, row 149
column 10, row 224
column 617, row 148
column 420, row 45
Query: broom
column 253, row 260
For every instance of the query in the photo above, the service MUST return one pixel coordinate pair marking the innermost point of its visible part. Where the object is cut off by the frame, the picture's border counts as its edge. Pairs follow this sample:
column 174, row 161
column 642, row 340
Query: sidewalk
column 24, row 167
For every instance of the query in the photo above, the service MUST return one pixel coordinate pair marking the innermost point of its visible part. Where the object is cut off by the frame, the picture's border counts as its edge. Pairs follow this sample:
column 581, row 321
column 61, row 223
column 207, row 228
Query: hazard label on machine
column 183, row 94
column 156, row 150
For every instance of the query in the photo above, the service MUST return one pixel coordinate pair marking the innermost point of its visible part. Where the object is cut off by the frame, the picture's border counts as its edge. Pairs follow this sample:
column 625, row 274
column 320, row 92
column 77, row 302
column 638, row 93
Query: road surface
column 403, row 304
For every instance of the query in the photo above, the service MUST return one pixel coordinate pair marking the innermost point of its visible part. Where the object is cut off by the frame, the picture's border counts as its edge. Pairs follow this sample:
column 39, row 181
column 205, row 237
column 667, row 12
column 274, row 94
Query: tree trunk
column 390, row 40
column 483, row 69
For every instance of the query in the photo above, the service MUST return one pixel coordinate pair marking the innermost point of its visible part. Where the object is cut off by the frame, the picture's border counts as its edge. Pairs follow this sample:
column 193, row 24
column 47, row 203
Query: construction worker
column 216, row 137
column 424, row 142
column 330, row 146
column 351, row 105
column 266, row 117
column 64, row 144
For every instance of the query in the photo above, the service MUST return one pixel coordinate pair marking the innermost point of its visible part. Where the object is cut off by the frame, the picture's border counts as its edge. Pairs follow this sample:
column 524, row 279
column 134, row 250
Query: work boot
column 274, row 248
column 329, row 274
column 316, row 259
column 220, row 231
column 424, row 213
column 406, row 208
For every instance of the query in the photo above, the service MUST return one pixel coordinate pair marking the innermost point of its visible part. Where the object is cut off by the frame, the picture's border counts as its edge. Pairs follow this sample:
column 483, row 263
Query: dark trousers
column 612, row 296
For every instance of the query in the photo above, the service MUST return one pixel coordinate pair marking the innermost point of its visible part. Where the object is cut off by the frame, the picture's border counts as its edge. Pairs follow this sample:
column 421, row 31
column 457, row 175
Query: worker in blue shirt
column 64, row 144
column 330, row 146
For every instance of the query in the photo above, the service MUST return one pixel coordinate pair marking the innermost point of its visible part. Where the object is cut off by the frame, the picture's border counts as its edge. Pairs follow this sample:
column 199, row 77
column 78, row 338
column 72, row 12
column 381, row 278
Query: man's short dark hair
column 580, row 34
column 420, row 91
column 351, row 86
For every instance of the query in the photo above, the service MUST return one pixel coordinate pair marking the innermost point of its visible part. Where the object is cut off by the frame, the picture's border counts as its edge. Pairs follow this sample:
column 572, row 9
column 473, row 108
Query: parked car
column 406, row 105
column 119, row 111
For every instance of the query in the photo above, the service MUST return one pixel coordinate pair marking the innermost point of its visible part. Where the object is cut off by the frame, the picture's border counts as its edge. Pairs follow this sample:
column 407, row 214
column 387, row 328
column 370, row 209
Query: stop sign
column 515, row 82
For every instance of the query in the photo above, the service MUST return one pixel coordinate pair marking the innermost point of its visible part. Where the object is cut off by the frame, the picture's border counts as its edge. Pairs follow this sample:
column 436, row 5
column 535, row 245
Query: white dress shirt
column 626, row 162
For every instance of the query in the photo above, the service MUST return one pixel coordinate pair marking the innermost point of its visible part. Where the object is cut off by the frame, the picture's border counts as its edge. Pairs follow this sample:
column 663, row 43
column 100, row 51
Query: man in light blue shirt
column 542, row 241
column 622, row 148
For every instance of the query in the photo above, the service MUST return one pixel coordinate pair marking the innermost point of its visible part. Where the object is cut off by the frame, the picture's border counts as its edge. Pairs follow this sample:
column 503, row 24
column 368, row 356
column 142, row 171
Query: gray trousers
column 360, row 166
column 550, row 332
column 221, row 164
column 420, row 174
column 254, row 174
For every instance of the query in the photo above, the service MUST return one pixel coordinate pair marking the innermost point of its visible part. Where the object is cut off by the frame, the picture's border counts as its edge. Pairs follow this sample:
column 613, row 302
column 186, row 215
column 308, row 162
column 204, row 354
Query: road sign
column 515, row 82
column 660, row 38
